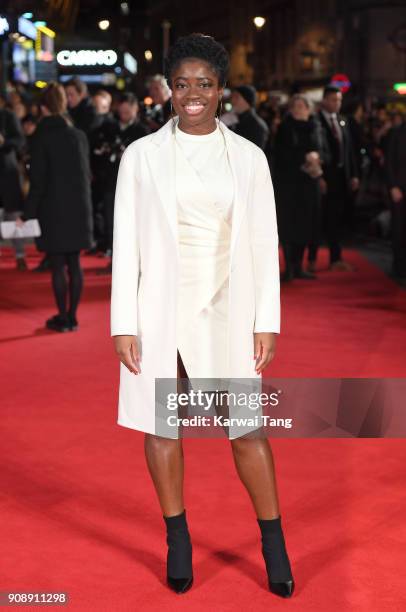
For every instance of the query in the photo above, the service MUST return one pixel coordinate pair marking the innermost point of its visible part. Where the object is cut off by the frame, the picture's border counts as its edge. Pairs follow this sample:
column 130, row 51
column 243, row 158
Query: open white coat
column 145, row 265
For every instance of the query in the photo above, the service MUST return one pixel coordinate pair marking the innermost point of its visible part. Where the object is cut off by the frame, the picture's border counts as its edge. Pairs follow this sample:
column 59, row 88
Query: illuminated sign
column 4, row 26
column 342, row 81
column 400, row 88
column 27, row 28
column 130, row 63
column 86, row 57
column 44, row 44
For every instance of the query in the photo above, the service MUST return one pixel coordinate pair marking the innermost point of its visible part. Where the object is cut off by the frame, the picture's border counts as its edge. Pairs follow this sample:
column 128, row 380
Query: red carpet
column 79, row 512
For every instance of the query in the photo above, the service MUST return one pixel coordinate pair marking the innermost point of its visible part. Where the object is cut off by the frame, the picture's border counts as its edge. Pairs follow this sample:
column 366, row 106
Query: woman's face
column 195, row 96
column 300, row 110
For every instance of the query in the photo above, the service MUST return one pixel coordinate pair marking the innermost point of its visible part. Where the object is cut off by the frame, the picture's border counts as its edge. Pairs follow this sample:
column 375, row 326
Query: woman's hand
column 264, row 348
column 127, row 350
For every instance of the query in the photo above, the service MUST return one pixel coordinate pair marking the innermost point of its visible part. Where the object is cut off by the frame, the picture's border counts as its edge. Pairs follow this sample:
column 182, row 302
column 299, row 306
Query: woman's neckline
column 200, row 137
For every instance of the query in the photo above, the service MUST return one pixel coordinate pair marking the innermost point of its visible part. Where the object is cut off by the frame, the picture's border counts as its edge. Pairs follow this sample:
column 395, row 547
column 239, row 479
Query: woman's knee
column 160, row 443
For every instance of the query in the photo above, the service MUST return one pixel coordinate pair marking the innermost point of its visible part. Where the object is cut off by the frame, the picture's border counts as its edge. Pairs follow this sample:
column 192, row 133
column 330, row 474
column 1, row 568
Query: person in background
column 250, row 125
column 60, row 198
column 11, row 193
column 395, row 166
column 102, row 101
column 340, row 176
column 161, row 95
column 117, row 136
column 297, row 172
column 81, row 109
column 29, row 125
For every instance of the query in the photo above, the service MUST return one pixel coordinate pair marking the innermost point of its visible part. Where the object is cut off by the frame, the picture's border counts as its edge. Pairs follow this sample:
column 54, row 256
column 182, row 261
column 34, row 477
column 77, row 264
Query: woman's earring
column 220, row 112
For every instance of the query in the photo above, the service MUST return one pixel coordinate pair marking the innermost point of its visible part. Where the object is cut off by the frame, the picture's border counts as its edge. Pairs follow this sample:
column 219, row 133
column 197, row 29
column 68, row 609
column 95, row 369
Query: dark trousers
column 293, row 254
column 66, row 287
column 332, row 211
column 398, row 230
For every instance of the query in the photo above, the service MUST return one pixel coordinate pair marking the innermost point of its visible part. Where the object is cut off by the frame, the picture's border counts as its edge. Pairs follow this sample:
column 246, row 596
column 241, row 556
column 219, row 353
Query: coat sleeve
column 38, row 180
column 126, row 260
column 264, row 244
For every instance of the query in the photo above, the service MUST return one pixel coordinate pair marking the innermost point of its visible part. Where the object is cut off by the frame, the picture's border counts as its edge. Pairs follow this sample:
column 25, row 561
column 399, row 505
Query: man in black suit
column 339, row 175
column 250, row 125
column 117, row 135
column 81, row 109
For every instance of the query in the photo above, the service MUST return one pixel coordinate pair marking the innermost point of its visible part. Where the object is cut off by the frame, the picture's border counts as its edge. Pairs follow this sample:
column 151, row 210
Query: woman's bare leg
column 166, row 465
column 255, row 466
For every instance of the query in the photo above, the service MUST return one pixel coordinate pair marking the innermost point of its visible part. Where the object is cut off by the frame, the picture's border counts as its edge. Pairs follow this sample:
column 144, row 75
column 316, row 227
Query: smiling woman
column 195, row 216
column 196, row 69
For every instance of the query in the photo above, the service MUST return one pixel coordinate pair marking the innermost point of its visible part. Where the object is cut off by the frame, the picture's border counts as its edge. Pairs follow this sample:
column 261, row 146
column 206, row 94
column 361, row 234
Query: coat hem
column 126, row 423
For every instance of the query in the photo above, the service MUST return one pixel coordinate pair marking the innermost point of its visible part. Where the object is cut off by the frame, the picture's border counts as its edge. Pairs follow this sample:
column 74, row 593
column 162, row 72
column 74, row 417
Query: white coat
column 145, row 265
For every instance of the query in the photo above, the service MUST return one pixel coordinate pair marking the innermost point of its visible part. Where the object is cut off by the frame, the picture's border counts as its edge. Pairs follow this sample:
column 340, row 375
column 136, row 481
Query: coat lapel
column 161, row 159
column 241, row 168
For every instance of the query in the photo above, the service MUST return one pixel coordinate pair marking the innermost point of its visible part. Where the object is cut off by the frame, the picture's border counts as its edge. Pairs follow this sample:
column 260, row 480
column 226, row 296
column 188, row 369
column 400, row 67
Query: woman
column 194, row 218
column 297, row 173
column 59, row 197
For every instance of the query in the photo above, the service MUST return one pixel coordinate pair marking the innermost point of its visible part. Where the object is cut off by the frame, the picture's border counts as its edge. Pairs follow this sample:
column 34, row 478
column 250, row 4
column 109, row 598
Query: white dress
column 205, row 193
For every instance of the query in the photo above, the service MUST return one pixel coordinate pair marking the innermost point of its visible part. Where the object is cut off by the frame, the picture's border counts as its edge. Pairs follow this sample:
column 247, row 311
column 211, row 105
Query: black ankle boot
column 276, row 558
column 179, row 559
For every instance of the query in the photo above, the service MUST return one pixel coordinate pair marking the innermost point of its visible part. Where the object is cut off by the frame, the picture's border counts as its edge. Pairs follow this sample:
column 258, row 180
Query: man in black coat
column 81, row 109
column 161, row 95
column 97, row 137
column 340, row 175
column 115, row 137
column 395, row 166
column 250, row 125
column 11, row 195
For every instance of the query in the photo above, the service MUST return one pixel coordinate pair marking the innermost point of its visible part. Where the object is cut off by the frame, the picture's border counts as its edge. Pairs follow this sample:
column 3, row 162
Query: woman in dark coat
column 297, row 171
column 60, row 198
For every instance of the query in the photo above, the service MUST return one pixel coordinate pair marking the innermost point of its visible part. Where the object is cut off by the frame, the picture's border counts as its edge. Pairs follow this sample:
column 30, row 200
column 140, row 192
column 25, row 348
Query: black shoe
column 179, row 585
column 179, row 569
column 73, row 323
column 43, row 266
column 277, row 562
column 21, row 264
column 299, row 273
column 92, row 251
column 59, row 323
column 286, row 276
column 283, row 589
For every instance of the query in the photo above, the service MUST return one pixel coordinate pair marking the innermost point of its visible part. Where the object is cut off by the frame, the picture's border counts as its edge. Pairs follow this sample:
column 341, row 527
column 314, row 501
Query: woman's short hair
column 301, row 97
column 54, row 98
column 202, row 47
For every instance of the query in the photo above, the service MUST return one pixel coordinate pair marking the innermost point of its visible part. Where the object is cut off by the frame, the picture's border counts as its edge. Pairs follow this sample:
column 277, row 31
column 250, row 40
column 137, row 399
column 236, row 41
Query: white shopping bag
column 30, row 229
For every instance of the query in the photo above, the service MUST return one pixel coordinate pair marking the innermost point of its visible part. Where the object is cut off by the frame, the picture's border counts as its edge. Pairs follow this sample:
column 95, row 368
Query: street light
column 148, row 55
column 259, row 22
column 104, row 24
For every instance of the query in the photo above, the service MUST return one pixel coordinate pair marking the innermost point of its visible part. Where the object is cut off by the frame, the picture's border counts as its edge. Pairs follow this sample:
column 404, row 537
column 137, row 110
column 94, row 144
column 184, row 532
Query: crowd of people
column 60, row 153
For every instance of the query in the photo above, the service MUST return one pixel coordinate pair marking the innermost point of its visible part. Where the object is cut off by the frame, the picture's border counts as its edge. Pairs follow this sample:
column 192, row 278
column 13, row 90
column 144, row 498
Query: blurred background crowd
column 305, row 85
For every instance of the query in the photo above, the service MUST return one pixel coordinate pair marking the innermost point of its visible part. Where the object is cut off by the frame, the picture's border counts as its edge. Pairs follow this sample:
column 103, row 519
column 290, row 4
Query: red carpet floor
column 78, row 510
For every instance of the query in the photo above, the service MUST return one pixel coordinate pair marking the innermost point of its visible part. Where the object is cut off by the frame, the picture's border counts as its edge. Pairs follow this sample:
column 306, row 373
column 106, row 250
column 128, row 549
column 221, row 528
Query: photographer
column 112, row 140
